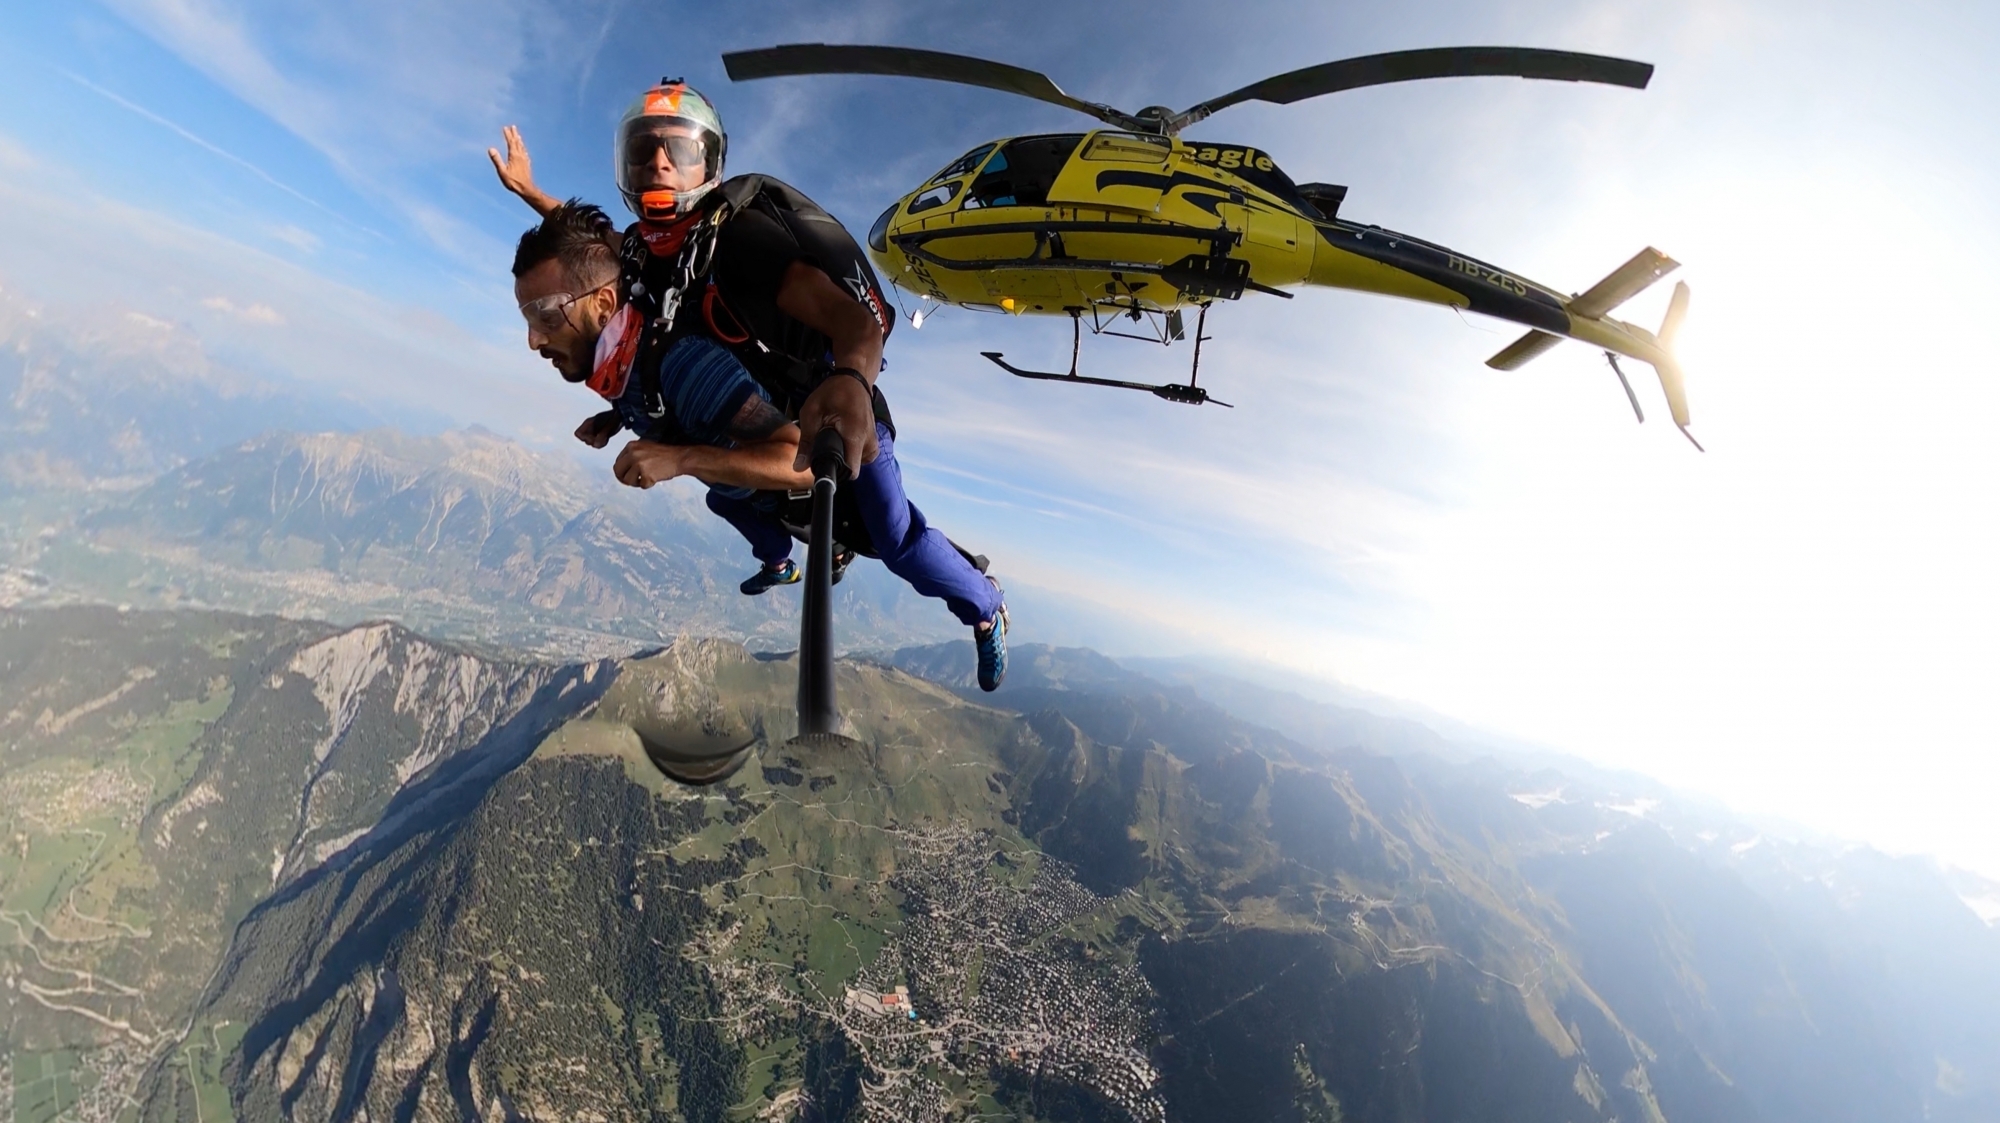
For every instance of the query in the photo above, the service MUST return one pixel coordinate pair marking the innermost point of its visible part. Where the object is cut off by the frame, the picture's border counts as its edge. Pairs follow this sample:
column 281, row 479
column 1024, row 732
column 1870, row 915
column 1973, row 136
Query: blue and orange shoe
column 785, row 574
column 990, row 641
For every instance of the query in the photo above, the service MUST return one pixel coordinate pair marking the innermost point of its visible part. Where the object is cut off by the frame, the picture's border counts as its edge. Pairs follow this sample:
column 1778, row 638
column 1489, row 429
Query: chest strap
column 653, row 344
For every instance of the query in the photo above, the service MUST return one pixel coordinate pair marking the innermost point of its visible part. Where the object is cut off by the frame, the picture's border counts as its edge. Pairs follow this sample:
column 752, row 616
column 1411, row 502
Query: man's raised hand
column 517, row 174
column 844, row 404
column 598, row 429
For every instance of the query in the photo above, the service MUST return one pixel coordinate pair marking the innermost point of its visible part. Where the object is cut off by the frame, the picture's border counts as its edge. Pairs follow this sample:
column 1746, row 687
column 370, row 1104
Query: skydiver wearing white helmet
column 752, row 271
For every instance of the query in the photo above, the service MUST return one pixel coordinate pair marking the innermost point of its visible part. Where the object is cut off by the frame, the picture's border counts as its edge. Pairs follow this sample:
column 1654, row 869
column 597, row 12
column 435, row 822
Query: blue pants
column 906, row 543
column 769, row 541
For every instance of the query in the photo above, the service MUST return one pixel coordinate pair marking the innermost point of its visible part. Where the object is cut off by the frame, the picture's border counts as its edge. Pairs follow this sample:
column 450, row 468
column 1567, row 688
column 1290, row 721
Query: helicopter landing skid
column 1187, row 393
column 1171, row 391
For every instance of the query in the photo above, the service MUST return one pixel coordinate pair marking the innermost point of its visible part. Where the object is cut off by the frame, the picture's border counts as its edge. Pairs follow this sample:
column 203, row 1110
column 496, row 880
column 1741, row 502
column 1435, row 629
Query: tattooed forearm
column 757, row 420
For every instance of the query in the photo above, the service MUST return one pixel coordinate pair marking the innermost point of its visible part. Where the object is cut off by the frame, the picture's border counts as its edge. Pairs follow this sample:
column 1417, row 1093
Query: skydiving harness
column 659, row 288
column 657, row 294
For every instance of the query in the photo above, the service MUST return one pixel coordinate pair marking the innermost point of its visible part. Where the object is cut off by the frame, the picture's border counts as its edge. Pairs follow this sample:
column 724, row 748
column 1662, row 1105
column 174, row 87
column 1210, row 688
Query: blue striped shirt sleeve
column 707, row 386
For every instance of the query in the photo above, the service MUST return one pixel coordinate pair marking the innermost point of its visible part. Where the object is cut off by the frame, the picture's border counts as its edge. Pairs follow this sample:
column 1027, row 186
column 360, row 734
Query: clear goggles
column 551, row 313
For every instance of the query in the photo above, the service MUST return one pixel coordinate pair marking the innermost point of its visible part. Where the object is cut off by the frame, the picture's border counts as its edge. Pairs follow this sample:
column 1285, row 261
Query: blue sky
column 1801, row 621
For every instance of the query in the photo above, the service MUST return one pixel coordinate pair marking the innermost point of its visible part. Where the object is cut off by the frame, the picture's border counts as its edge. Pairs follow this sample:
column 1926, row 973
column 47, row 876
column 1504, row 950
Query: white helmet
column 673, row 120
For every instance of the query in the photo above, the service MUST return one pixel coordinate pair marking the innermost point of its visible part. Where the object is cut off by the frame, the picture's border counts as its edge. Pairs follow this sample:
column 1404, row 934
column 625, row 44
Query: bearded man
column 752, row 269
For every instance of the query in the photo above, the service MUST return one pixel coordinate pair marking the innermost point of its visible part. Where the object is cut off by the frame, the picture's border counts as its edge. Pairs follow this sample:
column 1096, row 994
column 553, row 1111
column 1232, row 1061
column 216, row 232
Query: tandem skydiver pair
column 732, row 317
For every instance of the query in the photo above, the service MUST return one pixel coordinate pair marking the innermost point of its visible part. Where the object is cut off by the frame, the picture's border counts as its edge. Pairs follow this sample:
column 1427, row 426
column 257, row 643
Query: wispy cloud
column 384, row 92
column 59, row 232
column 296, row 237
column 252, row 313
column 585, row 72
column 207, row 146
column 14, row 157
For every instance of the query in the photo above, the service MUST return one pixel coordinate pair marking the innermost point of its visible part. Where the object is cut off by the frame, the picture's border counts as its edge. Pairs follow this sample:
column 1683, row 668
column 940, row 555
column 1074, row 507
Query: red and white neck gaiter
column 617, row 346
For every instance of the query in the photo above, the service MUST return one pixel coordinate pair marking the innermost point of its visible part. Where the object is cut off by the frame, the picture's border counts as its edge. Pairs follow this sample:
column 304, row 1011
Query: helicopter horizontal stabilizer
column 1624, row 283
column 1518, row 353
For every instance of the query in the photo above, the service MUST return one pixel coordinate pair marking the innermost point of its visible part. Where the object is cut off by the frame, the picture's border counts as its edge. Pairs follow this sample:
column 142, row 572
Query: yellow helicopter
column 1132, row 223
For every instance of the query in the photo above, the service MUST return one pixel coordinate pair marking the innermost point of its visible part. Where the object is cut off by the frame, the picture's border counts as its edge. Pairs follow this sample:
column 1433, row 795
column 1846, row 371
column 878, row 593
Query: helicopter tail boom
column 1590, row 323
column 1624, row 283
column 1619, row 338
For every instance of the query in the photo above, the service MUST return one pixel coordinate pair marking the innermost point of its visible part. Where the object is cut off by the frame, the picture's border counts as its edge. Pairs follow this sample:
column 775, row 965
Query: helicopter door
column 1260, row 225
column 1124, row 170
column 1022, row 172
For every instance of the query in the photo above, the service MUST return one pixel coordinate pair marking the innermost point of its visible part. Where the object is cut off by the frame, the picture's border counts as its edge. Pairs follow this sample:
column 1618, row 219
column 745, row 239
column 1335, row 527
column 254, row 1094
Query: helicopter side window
column 934, row 197
column 1021, row 173
column 963, row 164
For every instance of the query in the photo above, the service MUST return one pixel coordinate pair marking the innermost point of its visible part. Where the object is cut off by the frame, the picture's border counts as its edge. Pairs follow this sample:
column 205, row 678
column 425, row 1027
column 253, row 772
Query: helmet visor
column 667, row 154
column 642, row 149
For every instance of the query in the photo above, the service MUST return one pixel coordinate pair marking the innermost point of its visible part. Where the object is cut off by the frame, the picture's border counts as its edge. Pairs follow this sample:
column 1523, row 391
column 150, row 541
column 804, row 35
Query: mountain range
column 106, row 400
column 266, row 869
column 385, row 847
column 184, row 488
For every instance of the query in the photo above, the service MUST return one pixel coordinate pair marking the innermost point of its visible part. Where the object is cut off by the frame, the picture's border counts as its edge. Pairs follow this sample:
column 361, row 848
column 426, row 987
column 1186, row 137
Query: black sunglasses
column 682, row 151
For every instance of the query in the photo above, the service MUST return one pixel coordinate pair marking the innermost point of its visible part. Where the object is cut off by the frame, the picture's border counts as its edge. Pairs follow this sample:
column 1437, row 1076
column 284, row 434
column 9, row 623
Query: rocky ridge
column 164, row 773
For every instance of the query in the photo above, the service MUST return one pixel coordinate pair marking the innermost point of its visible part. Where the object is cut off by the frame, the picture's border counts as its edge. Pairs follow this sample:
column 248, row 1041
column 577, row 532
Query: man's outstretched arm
column 518, row 175
column 812, row 298
column 765, row 465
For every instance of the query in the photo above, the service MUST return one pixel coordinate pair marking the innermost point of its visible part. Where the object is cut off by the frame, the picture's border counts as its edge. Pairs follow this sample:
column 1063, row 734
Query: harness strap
column 691, row 266
column 661, row 305
column 653, row 344
column 712, row 300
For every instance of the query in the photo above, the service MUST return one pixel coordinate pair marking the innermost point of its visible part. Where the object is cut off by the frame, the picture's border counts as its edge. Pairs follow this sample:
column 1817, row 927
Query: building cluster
column 1002, row 969
column 998, row 953
column 87, row 1085
column 891, row 1004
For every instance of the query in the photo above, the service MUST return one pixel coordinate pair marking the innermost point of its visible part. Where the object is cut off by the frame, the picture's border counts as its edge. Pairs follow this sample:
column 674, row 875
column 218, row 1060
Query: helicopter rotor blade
column 911, row 62
column 1435, row 62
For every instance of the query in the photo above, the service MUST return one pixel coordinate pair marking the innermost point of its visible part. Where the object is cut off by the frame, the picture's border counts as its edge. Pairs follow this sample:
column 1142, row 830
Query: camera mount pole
column 819, row 712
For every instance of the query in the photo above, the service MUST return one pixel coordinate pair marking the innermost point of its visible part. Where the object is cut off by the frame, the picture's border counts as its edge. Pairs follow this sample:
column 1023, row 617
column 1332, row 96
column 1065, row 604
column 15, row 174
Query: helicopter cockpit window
column 963, row 164
column 934, row 197
column 1129, row 148
column 1021, row 173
